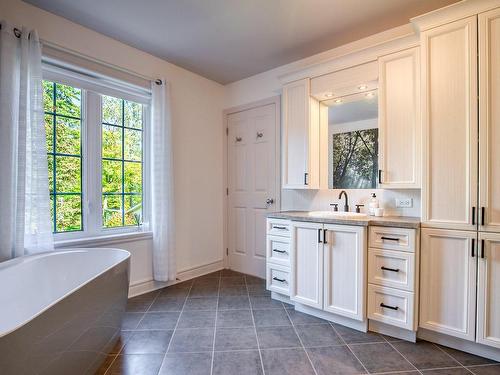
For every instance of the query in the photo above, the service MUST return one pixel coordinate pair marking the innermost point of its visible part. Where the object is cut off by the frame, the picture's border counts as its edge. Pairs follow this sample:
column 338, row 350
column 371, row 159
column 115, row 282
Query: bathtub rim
column 32, row 257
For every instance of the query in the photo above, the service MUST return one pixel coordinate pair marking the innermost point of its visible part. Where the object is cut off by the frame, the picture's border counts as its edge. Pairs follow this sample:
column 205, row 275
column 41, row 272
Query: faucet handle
column 358, row 210
column 335, row 206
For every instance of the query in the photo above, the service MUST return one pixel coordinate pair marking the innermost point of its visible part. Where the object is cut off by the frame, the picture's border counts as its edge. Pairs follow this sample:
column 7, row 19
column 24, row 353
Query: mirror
column 353, row 141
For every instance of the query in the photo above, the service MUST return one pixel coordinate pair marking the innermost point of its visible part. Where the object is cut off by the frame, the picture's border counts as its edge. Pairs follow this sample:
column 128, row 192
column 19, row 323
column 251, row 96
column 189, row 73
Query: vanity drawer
column 278, row 279
column 278, row 250
column 391, row 306
column 391, row 268
column 278, row 227
column 402, row 239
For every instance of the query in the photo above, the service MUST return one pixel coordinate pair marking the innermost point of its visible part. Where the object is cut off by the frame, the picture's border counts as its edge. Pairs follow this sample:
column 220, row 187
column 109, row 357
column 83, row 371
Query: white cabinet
column 448, row 282
column 399, row 119
column 344, row 276
column 488, row 289
column 300, row 135
column 307, row 264
column 450, row 127
column 489, row 120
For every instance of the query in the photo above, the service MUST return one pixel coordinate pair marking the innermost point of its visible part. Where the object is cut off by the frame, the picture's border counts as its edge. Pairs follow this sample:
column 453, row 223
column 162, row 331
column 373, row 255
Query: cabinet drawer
column 402, row 239
column 278, row 250
column 391, row 268
column 391, row 306
column 278, row 279
column 278, row 227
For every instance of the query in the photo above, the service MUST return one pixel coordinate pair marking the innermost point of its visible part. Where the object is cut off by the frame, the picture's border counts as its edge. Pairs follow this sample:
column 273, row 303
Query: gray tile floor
column 226, row 323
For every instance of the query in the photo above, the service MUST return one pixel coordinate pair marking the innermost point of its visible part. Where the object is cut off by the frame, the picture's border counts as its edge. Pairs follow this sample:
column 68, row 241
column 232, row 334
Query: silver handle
column 269, row 201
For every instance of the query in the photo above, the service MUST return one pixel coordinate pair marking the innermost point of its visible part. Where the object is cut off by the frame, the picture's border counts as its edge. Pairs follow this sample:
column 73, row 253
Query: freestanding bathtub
column 61, row 311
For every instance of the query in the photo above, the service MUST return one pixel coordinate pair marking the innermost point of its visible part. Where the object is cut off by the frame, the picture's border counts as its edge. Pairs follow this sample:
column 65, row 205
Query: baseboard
column 342, row 320
column 459, row 344
column 186, row 274
column 392, row 331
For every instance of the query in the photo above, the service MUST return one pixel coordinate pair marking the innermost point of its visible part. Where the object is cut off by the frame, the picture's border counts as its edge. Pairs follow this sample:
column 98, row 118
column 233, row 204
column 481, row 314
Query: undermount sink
column 336, row 214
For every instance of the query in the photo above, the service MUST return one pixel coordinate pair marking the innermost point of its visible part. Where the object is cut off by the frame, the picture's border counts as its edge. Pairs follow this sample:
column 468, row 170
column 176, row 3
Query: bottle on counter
column 372, row 204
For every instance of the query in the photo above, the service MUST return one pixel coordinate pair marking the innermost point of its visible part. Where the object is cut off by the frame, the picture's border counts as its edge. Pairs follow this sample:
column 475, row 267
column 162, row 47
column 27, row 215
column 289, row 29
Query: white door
column 344, row 270
column 488, row 289
column 252, row 187
column 489, row 121
column 449, row 110
column 306, row 281
column 448, row 282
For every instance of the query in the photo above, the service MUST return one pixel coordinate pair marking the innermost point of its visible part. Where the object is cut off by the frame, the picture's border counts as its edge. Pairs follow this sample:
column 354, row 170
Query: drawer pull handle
column 389, row 269
column 389, row 307
column 281, row 228
column 389, row 238
column 280, row 280
column 280, row 251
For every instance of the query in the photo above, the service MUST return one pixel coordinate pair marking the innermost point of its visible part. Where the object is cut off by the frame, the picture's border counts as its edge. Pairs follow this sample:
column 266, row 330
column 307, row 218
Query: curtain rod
column 97, row 61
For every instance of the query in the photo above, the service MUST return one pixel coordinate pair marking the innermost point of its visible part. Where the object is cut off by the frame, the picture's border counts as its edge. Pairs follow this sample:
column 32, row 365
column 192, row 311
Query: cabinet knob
column 269, row 201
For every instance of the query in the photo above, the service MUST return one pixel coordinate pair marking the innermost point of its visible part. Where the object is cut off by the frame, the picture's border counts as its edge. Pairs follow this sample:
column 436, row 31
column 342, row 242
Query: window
column 63, row 124
column 95, row 156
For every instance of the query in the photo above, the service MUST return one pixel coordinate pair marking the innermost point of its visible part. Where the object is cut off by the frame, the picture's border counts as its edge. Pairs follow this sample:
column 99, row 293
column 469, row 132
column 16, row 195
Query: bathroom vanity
column 352, row 269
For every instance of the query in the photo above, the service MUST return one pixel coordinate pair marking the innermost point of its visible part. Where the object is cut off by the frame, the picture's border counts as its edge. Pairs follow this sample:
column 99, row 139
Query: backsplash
column 312, row 200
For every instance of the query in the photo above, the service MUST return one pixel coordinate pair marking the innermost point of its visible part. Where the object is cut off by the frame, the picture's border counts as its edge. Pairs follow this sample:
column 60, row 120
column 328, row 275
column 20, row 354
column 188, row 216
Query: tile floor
column 226, row 323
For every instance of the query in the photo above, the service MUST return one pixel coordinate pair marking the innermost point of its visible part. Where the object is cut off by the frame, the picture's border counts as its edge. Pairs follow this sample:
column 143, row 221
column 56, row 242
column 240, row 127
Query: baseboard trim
column 459, row 344
column 342, row 320
column 392, row 331
column 187, row 274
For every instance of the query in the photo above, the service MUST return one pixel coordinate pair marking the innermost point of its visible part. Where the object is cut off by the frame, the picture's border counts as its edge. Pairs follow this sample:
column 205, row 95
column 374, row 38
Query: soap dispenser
column 372, row 204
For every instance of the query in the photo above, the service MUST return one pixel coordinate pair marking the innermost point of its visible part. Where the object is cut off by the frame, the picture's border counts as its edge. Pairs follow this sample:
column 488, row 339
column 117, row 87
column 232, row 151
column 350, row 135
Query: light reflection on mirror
column 353, row 141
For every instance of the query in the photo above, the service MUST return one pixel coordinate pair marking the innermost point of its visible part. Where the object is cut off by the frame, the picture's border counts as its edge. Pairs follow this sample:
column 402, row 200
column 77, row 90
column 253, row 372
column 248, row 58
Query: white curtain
column 162, row 197
column 25, row 224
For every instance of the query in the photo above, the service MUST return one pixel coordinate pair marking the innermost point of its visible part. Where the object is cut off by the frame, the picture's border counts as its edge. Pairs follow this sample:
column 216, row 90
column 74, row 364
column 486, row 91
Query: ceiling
column 227, row 40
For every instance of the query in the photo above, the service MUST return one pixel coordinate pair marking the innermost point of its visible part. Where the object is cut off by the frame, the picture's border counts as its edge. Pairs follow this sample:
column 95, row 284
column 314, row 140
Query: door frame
column 276, row 100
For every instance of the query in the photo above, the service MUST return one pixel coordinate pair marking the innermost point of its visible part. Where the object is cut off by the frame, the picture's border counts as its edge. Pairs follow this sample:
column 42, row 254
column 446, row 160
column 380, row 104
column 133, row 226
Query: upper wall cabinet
column 489, row 120
column 300, row 149
column 450, row 134
column 399, row 120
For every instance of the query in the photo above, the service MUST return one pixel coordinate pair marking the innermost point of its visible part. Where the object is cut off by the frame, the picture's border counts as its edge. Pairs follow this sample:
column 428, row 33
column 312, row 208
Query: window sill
column 104, row 240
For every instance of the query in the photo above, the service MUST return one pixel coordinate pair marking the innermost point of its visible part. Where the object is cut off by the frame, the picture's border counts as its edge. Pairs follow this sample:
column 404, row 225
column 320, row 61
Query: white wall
column 197, row 117
column 267, row 84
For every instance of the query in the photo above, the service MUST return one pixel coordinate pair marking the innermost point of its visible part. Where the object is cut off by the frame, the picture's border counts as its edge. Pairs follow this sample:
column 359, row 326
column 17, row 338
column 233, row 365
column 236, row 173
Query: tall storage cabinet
column 300, row 137
column 460, row 247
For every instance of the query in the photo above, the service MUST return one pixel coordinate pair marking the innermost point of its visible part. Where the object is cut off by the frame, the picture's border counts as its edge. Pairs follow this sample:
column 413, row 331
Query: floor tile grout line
column 406, row 359
column 255, row 330
column 300, row 340
column 453, row 358
column 173, row 332
column 349, row 348
column 215, row 324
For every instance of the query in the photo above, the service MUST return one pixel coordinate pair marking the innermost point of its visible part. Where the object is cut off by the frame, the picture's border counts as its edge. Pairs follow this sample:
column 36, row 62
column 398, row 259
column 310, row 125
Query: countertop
column 383, row 221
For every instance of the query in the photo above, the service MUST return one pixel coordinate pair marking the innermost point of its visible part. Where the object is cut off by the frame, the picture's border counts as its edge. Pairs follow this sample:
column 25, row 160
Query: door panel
column 448, row 282
column 449, row 107
column 488, row 300
column 251, row 182
column 307, row 264
column 344, row 267
column 489, row 120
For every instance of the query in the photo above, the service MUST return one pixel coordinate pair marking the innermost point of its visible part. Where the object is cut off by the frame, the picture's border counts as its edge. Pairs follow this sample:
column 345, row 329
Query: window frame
column 91, row 154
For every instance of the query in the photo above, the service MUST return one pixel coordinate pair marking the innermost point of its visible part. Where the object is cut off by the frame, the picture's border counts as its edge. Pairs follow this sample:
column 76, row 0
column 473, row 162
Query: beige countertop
column 384, row 221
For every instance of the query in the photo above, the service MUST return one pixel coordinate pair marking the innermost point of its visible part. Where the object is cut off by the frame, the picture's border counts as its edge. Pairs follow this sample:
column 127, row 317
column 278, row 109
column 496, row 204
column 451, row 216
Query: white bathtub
column 61, row 309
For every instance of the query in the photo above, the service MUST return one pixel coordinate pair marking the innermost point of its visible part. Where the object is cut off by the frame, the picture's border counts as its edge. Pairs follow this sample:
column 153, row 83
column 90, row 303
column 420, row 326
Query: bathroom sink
column 336, row 215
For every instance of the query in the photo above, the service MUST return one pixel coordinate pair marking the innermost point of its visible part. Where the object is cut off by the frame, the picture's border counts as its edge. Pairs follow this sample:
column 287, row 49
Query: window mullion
column 92, row 180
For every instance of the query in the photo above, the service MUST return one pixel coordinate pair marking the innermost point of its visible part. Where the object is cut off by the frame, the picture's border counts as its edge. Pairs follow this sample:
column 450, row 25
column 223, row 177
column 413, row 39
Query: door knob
column 269, row 201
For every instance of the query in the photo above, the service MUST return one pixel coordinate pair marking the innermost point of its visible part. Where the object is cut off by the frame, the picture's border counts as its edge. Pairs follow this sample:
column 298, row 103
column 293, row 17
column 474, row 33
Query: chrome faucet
column 346, row 205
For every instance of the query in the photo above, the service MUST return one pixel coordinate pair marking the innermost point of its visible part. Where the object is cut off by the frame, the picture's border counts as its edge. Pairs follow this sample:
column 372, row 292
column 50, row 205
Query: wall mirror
column 353, row 141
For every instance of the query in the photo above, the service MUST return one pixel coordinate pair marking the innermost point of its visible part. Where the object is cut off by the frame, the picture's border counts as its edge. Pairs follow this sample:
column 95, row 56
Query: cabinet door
column 307, row 264
column 488, row 289
column 489, row 120
column 448, row 282
column 345, row 270
column 449, row 107
column 399, row 119
column 300, row 137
